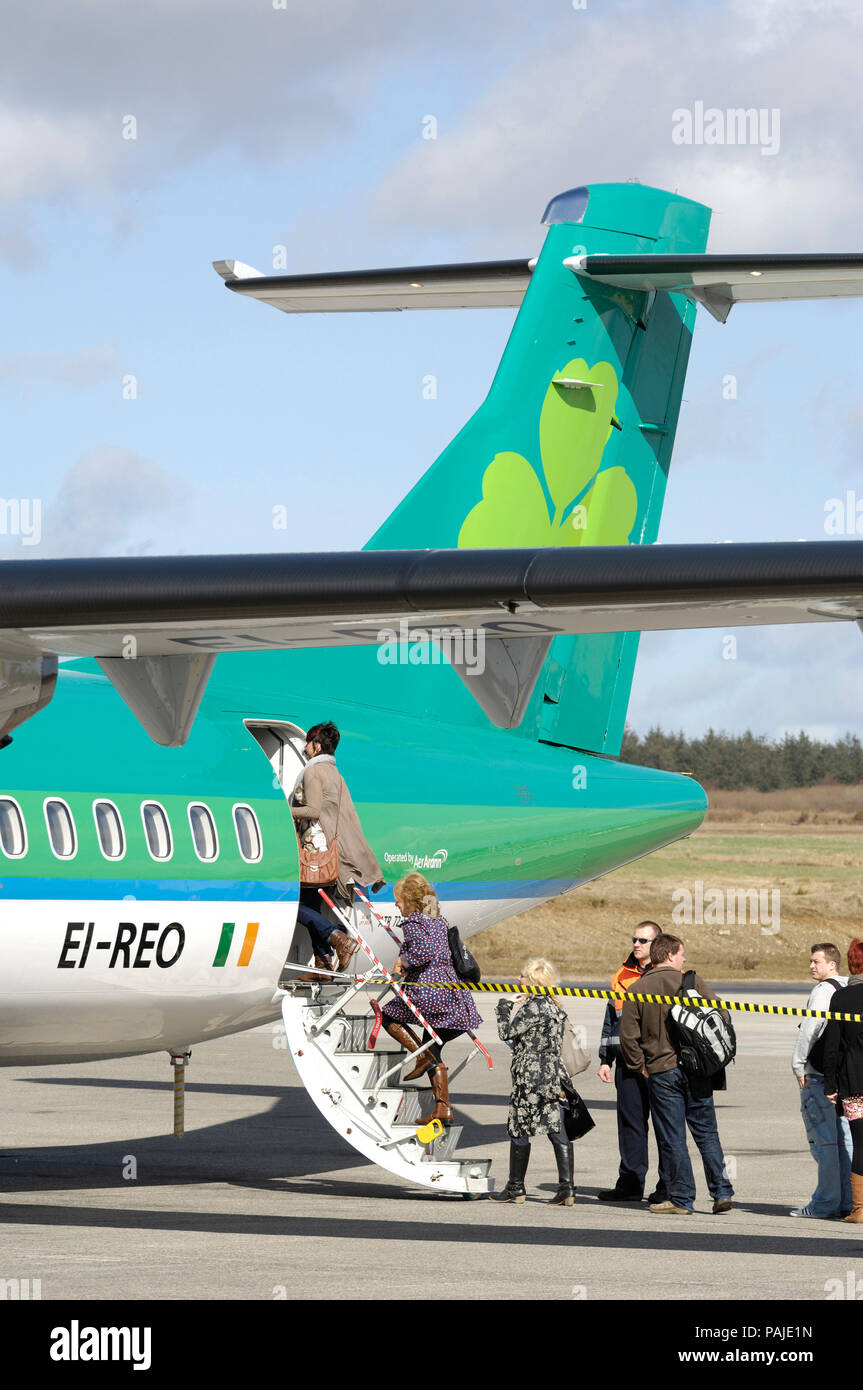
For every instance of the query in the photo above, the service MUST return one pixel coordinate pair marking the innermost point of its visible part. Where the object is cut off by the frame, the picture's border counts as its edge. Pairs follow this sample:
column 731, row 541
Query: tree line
column 735, row 761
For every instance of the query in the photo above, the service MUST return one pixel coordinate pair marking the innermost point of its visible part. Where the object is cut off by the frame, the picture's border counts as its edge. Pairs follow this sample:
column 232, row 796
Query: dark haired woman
column 843, row 1068
column 321, row 799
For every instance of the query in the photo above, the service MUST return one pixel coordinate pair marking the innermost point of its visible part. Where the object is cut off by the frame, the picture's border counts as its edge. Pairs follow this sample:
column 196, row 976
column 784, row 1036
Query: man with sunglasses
column 633, row 1110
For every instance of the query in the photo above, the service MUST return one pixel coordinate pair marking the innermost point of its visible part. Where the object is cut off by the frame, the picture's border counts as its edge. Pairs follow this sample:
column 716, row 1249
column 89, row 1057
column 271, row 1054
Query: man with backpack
column 683, row 1059
column 826, row 1128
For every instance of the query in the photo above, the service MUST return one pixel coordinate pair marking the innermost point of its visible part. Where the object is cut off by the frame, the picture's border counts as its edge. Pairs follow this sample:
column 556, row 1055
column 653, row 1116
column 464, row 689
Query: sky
column 152, row 412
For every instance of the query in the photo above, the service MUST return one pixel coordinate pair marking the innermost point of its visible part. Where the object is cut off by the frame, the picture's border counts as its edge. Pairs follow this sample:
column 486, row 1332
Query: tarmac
column 261, row 1200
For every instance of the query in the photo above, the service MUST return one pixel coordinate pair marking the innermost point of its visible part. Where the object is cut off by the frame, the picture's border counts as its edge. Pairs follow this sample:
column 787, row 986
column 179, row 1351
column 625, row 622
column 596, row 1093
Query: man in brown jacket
column 675, row 1099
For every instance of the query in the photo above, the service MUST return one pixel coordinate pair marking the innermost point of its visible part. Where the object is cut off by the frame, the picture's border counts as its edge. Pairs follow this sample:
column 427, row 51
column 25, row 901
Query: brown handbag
column 320, row 867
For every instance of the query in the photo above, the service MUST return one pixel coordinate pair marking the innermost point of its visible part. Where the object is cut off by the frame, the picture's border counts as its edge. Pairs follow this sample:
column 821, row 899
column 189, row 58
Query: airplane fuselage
column 150, row 894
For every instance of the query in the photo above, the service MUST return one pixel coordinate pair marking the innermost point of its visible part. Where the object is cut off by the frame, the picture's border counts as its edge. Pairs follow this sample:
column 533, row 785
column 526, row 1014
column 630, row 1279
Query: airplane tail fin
column 571, row 446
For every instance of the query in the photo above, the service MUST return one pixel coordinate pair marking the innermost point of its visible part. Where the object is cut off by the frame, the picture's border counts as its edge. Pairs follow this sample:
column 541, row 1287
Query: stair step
column 415, row 1101
column 366, row 1068
column 341, row 1073
column 475, row 1168
column 444, row 1147
column 356, row 1033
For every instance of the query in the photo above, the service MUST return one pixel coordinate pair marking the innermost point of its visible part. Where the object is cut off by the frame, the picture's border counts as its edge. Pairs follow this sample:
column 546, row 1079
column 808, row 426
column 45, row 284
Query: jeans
column 673, row 1107
column 830, row 1142
column 318, row 927
column 633, row 1113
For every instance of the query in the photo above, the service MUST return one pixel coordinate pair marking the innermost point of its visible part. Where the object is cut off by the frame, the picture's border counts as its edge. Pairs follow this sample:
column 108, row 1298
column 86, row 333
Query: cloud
column 803, row 676
column 267, row 81
column 82, row 367
column 47, row 154
column 595, row 103
column 109, row 502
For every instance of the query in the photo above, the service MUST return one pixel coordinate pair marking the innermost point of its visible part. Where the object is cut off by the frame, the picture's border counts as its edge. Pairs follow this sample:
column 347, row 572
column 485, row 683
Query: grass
column 818, row 872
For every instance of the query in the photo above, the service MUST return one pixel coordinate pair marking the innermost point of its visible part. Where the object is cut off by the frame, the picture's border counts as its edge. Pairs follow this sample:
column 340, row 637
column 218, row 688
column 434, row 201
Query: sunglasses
column 640, row 940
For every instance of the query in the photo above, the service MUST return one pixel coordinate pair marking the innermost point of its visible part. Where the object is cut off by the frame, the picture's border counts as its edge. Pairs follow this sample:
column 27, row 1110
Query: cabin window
column 109, row 828
column 13, row 832
column 203, row 831
column 157, row 828
column 248, row 834
column 61, row 828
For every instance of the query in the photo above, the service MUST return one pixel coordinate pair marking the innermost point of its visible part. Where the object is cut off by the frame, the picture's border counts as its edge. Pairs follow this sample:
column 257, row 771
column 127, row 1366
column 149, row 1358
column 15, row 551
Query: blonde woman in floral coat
column 535, row 1034
column 425, row 955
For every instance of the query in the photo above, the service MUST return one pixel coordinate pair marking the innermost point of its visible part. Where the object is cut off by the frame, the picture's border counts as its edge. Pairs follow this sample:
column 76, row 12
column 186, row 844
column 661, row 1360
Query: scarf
column 318, row 758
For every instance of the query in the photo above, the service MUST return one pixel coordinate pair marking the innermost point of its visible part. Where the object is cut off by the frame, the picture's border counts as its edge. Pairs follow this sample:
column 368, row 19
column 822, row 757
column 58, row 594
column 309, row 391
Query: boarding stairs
column 358, row 1087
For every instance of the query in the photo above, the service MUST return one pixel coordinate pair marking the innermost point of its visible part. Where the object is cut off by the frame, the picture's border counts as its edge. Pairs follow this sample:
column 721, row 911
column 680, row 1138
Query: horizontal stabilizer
column 481, row 285
column 720, row 282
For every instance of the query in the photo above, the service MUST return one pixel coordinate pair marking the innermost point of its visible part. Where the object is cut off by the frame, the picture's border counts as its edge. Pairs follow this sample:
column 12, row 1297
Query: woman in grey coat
column 535, row 1034
column 322, row 806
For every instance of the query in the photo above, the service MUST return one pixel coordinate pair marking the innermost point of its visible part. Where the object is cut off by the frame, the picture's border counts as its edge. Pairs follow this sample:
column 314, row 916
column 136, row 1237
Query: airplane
column 477, row 656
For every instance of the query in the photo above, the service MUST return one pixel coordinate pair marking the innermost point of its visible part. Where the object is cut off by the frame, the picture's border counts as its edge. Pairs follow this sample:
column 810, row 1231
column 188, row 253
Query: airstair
column 354, row 1077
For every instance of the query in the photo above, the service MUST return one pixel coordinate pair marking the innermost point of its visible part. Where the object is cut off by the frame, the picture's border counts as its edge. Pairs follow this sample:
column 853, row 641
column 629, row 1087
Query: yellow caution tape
column 571, row 992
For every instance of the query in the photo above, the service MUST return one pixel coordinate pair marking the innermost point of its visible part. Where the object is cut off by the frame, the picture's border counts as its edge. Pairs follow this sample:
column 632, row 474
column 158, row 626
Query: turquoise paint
column 426, row 768
column 505, row 809
column 581, row 697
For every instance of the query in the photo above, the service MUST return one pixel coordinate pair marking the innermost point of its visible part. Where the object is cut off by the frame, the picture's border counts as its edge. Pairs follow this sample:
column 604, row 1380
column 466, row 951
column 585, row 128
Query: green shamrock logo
column 589, row 507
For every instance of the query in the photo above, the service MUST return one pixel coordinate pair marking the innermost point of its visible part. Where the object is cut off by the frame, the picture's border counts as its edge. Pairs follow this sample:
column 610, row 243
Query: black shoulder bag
column 464, row 963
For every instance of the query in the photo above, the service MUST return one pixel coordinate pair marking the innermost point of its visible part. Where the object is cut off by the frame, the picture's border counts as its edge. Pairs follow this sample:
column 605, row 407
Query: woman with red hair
column 843, row 1067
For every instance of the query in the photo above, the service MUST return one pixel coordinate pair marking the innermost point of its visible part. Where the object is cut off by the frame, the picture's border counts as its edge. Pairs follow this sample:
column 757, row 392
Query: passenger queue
column 666, row 1062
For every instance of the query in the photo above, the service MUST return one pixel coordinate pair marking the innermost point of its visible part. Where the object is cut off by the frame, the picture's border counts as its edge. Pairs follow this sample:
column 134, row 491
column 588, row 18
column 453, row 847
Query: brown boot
column 344, row 946
column 856, row 1213
column 320, row 964
column 410, row 1043
column 440, row 1092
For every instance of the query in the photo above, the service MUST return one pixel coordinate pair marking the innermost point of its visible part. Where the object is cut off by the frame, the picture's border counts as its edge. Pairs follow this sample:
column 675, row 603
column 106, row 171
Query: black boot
column 565, row 1195
column 519, row 1157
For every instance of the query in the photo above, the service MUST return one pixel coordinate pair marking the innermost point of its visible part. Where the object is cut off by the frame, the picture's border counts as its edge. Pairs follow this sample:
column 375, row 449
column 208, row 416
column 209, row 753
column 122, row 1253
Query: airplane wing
column 156, row 624
column 477, row 285
column 720, row 282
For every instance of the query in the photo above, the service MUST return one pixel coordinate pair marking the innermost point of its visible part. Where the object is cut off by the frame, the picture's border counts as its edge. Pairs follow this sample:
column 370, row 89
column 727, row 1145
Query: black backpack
column 815, row 1057
column 705, row 1042
column 464, row 963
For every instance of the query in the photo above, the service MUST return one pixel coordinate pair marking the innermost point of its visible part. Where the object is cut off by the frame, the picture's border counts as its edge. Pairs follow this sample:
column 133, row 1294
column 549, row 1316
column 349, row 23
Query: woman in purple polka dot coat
column 425, row 955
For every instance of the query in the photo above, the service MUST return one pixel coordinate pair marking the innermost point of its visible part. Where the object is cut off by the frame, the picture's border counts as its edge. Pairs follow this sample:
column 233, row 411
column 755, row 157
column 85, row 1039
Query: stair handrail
column 360, row 894
column 352, row 930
